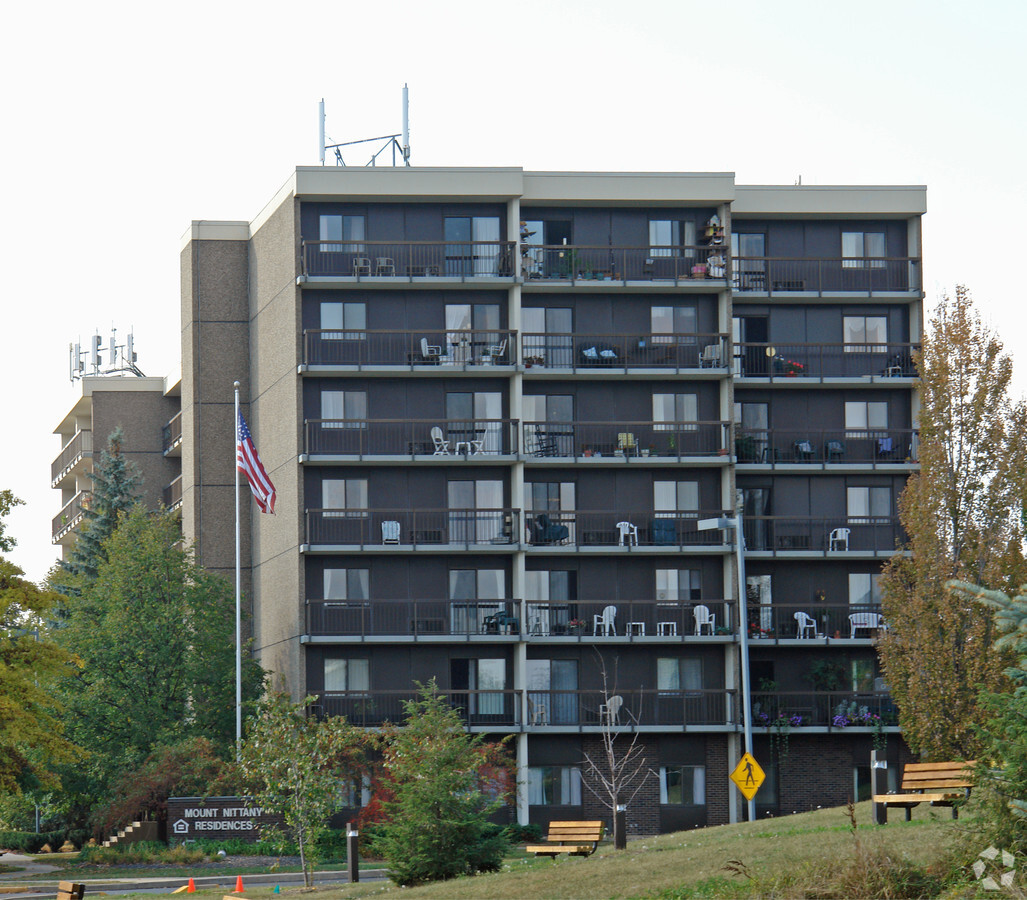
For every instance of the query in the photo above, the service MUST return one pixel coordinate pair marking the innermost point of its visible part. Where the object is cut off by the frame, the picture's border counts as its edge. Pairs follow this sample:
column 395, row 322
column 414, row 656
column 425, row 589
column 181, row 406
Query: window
column 865, row 334
column 343, row 409
column 670, row 321
column 677, row 675
column 344, row 498
column 864, row 589
column 469, row 588
column 667, row 236
column 342, row 228
column 352, row 317
column 868, row 503
column 547, row 336
column 472, row 245
column 671, row 412
column 863, row 417
column 347, row 675
column 749, row 253
column 675, row 497
column 476, row 511
column 554, row 786
column 863, row 250
column 346, row 584
column 678, row 584
column 862, row 675
column 683, row 785
column 354, row 793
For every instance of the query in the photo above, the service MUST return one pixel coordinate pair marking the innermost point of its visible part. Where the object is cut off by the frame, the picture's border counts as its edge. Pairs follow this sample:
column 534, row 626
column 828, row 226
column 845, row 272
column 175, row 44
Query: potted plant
column 530, row 361
column 576, row 626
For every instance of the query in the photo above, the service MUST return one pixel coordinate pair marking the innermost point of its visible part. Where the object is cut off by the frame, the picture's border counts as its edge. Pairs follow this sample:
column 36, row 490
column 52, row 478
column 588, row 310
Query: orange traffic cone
column 191, row 889
column 238, row 884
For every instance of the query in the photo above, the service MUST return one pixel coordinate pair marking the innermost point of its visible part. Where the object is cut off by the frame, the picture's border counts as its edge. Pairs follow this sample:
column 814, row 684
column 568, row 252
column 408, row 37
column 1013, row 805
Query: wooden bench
column 70, row 890
column 940, row 784
column 572, row 838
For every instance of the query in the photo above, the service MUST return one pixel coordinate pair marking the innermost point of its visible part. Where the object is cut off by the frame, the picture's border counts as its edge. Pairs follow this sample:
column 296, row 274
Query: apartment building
column 498, row 405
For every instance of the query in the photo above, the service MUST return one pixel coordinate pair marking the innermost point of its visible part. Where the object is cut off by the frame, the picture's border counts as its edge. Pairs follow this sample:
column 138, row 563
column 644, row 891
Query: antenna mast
column 121, row 357
column 391, row 140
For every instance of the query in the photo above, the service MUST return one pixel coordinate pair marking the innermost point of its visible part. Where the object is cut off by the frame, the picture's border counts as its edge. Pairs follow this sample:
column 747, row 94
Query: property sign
column 190, row 818
column 748, row 776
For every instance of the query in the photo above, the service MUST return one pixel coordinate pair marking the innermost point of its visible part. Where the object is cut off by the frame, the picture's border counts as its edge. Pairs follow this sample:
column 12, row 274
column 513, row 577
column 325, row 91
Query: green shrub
column 30, row 842
column 522, row 834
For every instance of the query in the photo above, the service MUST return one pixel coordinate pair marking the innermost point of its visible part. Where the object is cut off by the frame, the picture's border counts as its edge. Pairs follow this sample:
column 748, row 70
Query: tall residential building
column 498, row 406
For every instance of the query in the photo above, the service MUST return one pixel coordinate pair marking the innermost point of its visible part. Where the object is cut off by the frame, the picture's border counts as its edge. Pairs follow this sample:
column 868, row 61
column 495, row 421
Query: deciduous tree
column 962, row 515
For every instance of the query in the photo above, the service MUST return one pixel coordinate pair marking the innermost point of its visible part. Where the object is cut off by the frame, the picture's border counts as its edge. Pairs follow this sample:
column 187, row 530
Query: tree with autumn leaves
column 962, row 514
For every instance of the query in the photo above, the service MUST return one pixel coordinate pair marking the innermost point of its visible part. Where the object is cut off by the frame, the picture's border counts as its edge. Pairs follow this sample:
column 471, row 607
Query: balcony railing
column 427, row 347
column 631, row 351
column 411, row 437
column 80, row 446
column 406, row 527
column 70, row 516
column 838, row 446
column 578, row 263
column 171, row 434
column 574, row 708
column 627, row 440
column 780, row 361
column 409, row 259
column 838, row 709
column 816, row 620
column 763, row 274
column 620, row 528
column 171, row 496
column 667, row 619
column 878, row 535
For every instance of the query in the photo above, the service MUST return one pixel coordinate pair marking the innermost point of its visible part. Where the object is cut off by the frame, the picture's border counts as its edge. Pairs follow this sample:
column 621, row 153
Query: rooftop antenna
column 121, row 358
column 390, row 140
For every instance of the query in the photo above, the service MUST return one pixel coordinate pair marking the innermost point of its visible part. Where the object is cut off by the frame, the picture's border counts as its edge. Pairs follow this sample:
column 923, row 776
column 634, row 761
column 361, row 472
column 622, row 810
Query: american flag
column 248, row 462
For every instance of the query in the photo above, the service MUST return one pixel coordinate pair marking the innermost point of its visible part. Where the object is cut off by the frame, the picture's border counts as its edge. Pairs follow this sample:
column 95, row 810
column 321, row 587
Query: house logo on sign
column 180, row 827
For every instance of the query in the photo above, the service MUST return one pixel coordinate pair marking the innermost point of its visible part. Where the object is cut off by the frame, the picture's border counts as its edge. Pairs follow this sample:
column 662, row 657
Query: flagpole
column 238, row 596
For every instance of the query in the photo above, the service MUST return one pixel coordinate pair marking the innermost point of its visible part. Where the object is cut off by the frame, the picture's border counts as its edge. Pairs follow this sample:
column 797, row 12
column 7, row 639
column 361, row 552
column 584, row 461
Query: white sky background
column 122, row 122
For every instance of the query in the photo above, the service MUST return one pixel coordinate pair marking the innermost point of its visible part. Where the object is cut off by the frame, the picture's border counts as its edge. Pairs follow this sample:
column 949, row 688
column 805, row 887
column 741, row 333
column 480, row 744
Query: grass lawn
column 807, row 855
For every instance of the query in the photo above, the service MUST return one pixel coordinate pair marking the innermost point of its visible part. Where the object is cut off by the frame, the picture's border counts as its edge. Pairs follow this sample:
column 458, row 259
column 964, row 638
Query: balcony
column 577, row 710
column 837, row 448
column 763, row 275
column 406, row 529
column 632, row 442
column 650, row 621
column 703, row 267
column 628, row 530
column 171, row 436
column 830, row 622
column 481, row 440
column 171, row 496
column 597, row 354
column 429, row 351
column 862, row 536
column 79, row 448
column 826, row 363
column 824, row 709
column 408, row 261
column 68, row 519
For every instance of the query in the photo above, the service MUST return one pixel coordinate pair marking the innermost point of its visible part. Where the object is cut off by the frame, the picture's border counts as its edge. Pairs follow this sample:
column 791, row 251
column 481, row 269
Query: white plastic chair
column 390, row 531
column 805, row 623
column 383, row 265
column 628, row 534
column 710, row 356
column 704, row 619
column 361, row 265
column 610, row 710
column 493, row 352
column 868, row 621
column 605, row 622
column 441, row 444
column 838, row 539
column 430, row 352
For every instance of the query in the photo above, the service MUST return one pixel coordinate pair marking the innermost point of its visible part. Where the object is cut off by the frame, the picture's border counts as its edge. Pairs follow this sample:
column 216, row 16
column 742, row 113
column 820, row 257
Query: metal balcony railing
column 460, row 260
column 626, row 440
column 620, row 350
column 478, row 349
column 763, row 274
column 171, row 434
column 411, row 437
column 838, row 709
column 815, row 620
column 837, row 446
column 70, row 515
column 589, row 264
column 80, row 446
column 620, row 528
column 368, row 709
column 879, row 535
column 780, row 361
column 171, row 496
column 406, row 527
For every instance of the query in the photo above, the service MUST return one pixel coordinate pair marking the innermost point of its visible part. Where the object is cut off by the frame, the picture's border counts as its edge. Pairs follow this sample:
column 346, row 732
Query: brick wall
column 643, row 814
column 718, row 787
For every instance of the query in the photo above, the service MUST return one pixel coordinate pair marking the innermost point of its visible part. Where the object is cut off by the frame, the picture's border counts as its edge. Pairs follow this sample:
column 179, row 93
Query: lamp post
column 735, row 524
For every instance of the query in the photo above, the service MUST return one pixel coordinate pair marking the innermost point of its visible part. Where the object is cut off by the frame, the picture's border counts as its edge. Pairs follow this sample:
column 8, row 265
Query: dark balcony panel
column 79, row 447
column 426, row 347
column 500, row 709
column 592, row 621
column 863, row 534
column 405, row 527
column 810, row 621
column 418, row 618
column 171, row 496
column 837, row 446
column 171, row 434
column 585, row 264
column 409, row 259
column 781, row 361
column 838, row 709
column 633, row 351
column 628, row 440
column 620, row 528
column 410, row 437
column 629, row 709
column 763, row 274
column 70, row 515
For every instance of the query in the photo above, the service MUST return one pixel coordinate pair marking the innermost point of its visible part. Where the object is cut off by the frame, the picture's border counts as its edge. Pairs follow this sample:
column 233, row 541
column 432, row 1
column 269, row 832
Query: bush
column 30, row 842
column 142, row 852
column 522, row 834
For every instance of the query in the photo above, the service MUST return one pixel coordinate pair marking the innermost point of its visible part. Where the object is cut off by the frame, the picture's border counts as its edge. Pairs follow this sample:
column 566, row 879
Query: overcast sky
column 125, row 121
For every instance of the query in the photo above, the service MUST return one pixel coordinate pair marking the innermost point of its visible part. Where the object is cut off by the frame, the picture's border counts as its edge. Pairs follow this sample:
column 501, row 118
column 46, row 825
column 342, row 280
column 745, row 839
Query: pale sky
column 125, row 121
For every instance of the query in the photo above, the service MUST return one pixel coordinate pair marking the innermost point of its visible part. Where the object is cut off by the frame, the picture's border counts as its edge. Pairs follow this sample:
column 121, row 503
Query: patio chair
column 545, row 531
column 605, row 622
column 361, row 265
column 390, row 531
column 626, row 443
column 867, row 621
column 704, row 619
column 441, row 444
column 430, row 352
column 383, row 265
column 491, row 355
column 805, row 625
column 802, row 451
column 627, row 534
column 834, row 451
column 710, row 358
column 545, row 444
column 838, row 539
column 610, row 710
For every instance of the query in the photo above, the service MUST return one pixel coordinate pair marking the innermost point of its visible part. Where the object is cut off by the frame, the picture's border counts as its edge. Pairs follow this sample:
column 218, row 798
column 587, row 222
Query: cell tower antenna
column 400, row 142
column 121, row 358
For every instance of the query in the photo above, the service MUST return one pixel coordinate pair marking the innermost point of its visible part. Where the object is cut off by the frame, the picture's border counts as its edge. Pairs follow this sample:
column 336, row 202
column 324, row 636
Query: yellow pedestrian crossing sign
column 748, row 776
